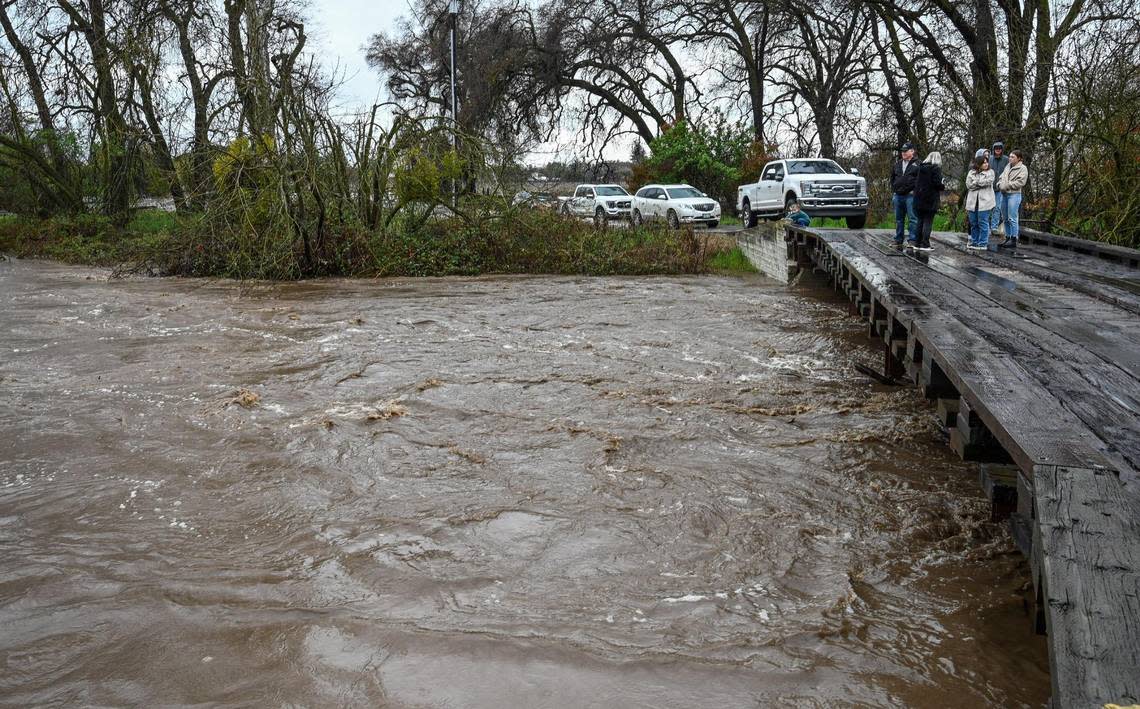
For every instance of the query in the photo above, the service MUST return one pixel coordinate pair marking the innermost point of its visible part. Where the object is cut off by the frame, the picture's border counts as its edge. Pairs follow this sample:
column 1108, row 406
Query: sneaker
column 924, row 248
column 974, row 247
column 1008, row 244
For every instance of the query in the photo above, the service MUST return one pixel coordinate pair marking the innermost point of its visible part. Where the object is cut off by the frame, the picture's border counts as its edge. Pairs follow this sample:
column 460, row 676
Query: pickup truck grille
column 704, row 207
column 837, row 189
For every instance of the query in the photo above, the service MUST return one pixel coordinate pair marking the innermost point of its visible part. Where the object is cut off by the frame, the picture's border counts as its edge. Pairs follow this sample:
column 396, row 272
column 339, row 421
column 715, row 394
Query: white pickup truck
column 821, row 186
column 602, row 202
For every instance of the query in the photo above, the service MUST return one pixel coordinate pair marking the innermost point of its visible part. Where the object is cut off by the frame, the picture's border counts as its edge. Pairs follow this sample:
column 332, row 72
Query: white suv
column 676, row 204
column 602, row 202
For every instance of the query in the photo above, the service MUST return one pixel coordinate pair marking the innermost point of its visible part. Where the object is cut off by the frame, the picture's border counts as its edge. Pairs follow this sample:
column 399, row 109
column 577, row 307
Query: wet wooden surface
column 1042, row 351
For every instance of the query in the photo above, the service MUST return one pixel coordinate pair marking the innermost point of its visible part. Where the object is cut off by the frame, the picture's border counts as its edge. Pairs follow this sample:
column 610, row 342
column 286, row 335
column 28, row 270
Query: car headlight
column 808, row 187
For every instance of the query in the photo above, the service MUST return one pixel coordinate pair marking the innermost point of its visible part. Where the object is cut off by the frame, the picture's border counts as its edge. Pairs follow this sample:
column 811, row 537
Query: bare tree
column 744, row 34
column 504, row 87
column 624, row 59
column 117, row 148
column 42, row 161
column 830, row 59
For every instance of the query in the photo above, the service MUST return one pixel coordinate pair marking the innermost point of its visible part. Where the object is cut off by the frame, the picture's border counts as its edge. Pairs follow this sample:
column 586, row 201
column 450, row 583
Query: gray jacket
column 981, row 197
column 998, row 165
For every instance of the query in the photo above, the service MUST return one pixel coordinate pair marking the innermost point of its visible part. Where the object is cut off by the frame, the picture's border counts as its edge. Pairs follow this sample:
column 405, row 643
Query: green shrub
column 83, row 238
column 488, row 238
column 533, row 241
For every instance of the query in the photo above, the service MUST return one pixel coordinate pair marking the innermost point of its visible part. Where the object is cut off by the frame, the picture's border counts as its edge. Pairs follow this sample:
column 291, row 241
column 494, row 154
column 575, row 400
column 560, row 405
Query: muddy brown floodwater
column 494, row 492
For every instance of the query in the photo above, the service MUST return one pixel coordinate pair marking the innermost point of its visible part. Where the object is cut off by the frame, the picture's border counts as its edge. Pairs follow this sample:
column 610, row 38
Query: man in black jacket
column 903, row 177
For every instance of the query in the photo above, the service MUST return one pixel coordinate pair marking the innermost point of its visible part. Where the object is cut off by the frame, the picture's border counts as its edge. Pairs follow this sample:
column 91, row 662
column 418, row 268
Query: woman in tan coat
column 1010, row 184
column 980, row 202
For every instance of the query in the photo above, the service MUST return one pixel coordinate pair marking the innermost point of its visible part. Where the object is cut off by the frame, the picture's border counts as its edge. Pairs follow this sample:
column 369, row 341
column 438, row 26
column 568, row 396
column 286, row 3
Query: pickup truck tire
column 714, row 225
column 747, row 216
column 637, row 220
column 788, row 202
column 674, row 222
column 856, row 222
column 565, row 209
column 600, row 220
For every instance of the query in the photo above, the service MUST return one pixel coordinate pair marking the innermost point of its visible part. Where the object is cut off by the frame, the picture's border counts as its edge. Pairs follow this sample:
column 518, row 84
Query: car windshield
column 611, row 191
column 814, row 167
column 683, row 192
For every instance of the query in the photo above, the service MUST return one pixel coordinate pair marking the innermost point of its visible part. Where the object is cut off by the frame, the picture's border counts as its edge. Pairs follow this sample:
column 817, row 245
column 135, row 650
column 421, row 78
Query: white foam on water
column 687, row 598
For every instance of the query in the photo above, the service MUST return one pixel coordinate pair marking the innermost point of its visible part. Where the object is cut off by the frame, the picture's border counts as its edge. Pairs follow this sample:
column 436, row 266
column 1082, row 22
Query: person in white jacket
column 1010, row 184
column 980, row 202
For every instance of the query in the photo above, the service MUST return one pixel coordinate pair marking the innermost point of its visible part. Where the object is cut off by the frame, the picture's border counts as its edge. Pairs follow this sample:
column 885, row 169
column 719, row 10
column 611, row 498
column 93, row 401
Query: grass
column 731, row 261
column 941, row 222
column 829, row 222
column 154, row 221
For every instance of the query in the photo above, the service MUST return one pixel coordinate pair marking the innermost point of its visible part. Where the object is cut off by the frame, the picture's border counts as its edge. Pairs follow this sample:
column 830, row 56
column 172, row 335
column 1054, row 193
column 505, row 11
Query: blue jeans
column 1012, row 216
column 980, row 227
column 997, row 214
column 904, row 211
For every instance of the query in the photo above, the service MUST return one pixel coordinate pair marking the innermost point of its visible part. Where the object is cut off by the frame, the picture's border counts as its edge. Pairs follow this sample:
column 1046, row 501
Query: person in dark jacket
column 998, row 163
column 927, row 197
column 903, row 176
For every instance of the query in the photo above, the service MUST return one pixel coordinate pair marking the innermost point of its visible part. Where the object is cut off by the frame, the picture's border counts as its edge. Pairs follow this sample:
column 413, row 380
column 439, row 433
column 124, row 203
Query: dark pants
column 925, row 226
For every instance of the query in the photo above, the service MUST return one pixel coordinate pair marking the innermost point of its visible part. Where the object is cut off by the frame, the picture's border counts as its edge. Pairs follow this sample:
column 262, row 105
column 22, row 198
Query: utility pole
column 453, row 12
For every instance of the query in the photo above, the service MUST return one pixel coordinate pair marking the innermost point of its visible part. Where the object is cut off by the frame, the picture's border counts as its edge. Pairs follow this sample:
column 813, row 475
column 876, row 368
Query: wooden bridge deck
column 1035, row 364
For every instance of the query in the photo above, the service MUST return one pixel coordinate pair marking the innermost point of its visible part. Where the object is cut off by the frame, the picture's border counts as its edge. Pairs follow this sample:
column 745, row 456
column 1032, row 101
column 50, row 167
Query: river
column 482, row 492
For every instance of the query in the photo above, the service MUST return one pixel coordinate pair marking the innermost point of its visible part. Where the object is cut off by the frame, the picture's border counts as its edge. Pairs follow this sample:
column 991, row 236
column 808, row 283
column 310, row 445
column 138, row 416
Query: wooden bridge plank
column 1097, row 248
column 1087, row 534
column 1012, row 367
column 1100, row 392
column 1081, row 274
column 1108, row 330
column 1025, row 416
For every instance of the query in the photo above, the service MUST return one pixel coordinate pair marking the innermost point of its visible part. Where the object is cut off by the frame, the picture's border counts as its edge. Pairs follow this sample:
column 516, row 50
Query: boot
column 1009, row 243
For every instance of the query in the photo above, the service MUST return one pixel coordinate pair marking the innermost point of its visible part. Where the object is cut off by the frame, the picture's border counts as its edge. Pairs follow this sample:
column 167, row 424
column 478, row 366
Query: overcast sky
column 340, row 29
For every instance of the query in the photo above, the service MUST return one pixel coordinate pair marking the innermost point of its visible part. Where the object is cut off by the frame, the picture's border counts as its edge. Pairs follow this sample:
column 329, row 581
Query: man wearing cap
column 999, row 161
column 903, row 177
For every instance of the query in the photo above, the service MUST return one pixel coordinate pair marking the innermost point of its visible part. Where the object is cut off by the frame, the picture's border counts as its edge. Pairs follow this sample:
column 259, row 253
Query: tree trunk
column 66, row 192
column 158, row 141
column 200, row 173
column 118, row 154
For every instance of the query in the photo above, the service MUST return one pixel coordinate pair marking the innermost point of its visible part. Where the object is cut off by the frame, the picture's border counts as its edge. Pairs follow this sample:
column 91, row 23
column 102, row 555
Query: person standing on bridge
column 1012, row 182
column 998, row 163
column 979, row 202
column 903, row 176
column 927, row 198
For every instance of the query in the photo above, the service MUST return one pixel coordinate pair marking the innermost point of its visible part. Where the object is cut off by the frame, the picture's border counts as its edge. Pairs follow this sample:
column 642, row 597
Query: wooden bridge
column 1034, row 364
